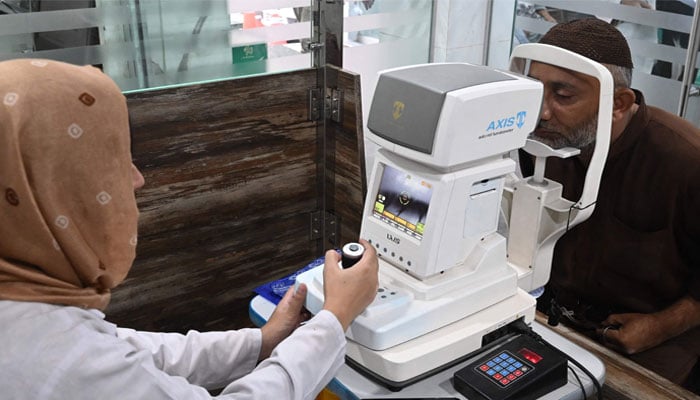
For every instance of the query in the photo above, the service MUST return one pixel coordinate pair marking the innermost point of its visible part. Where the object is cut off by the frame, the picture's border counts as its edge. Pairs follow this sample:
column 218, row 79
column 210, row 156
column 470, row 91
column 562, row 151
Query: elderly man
column 630, row 275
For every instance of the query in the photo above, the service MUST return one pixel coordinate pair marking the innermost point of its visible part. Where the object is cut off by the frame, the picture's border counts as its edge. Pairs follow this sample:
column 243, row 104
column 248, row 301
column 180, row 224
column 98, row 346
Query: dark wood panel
column 346, row 159
column 231, row 181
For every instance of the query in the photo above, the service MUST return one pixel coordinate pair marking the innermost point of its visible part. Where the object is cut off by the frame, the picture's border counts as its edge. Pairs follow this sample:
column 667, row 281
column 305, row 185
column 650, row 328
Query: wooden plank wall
column 231, row 182
column 345, row 159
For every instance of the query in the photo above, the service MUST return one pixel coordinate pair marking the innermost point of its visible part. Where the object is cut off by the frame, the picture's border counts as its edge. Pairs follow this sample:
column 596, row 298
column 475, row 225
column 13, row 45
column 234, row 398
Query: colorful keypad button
column 503, row 369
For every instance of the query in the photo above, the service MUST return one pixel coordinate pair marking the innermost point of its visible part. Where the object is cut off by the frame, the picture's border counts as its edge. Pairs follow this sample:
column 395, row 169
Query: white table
column 351, row 385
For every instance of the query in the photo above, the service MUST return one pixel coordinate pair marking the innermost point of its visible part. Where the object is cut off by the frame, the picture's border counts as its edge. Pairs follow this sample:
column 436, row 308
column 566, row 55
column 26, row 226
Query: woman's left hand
column 288, row 315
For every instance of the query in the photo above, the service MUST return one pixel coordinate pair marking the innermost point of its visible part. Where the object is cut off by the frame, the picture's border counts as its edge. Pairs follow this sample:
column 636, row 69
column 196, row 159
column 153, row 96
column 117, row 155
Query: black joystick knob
column 352, row 252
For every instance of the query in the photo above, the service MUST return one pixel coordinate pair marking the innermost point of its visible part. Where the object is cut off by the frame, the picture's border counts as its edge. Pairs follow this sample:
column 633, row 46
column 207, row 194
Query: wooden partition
column 346, row 184
column 233, row 172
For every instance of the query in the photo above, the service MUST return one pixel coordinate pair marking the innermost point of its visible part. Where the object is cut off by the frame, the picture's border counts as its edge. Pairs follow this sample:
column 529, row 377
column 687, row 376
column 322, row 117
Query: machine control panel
column 521, row 368
column 506, row 368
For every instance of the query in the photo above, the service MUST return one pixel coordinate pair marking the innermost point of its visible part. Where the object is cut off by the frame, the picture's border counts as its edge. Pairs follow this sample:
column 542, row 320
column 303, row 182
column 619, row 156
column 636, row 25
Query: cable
column 519, row 326
column 583, row 389
column 554, row 313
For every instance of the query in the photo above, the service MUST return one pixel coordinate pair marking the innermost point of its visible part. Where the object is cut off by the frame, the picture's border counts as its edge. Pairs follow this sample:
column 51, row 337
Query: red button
column 511, row 377
column 497, row 376
column 505, row 381
column 518, row 372
column 484, row 367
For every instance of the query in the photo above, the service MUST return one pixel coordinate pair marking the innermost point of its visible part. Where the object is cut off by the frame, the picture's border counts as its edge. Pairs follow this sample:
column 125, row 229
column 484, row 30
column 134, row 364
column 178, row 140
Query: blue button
column 491, row 364
column 517, row 364
column 503, row 356
column 511, row 360
column 490, row 372
column 511, row 368
column 497, row 368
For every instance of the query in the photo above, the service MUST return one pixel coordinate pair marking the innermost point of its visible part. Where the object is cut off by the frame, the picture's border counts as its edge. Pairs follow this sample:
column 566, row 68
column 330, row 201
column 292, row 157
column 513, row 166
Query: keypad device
column 504, row 369
column 519, row 367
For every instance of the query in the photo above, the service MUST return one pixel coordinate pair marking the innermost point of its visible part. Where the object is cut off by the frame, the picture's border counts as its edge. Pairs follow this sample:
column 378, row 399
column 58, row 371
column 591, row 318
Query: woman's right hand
column 349, row 291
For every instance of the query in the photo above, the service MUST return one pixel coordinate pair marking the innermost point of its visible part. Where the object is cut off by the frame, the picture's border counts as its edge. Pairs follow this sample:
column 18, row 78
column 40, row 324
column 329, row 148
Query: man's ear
column 623, row 100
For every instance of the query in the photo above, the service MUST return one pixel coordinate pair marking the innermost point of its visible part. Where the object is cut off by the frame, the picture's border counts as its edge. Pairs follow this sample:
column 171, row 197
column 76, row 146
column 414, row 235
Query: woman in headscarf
column 68, row 235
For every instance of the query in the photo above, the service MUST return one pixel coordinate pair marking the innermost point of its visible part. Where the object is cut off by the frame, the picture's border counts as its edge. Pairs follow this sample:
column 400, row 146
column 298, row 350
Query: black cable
column 519, row 326
column 598, row 388
column 554, row 313
column 583, row 389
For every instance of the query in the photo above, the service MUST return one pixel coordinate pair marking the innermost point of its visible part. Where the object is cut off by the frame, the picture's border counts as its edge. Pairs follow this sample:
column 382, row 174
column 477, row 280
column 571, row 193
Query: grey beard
column 581, row 136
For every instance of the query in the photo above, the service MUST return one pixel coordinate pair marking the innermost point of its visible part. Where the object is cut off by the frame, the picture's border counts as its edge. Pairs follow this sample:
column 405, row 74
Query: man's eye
column 563, row 97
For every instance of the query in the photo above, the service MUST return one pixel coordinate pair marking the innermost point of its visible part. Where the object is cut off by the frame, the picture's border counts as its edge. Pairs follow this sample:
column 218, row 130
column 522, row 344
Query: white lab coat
column 57, row 352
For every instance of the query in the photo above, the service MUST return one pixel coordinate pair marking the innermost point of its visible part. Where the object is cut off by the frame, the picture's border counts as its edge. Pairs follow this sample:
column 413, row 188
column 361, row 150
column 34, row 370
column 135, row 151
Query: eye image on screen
column 402, row 201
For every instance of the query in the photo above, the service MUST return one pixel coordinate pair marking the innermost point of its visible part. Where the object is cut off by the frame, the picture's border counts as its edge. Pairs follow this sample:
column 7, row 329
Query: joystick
column 352, row 252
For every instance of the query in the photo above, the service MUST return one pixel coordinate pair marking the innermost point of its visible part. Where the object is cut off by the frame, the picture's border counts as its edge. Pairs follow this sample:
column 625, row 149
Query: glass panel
column 381, row 34
column 61, row 30
column 656, row 30
column 270, row 36
column 689, row 107
column 181, row 41
column 151, row 43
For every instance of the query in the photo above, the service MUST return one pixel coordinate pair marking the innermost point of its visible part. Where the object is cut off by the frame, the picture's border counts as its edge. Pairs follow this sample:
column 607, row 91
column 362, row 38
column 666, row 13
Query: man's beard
column 578, row 137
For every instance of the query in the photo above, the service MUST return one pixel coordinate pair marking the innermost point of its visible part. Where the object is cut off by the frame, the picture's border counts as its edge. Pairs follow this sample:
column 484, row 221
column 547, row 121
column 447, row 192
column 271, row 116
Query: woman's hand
column 288, row 315
column 349, row 291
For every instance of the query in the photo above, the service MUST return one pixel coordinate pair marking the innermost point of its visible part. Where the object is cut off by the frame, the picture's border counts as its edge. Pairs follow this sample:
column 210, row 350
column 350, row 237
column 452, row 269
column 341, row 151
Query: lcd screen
column 402, row 201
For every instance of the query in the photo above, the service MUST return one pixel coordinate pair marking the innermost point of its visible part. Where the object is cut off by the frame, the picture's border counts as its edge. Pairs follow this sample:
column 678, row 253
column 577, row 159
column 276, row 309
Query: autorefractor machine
column 461, row 239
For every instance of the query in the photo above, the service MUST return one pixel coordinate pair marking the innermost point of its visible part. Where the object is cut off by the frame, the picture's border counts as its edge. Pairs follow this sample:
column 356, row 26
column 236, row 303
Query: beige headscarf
column 68, row 215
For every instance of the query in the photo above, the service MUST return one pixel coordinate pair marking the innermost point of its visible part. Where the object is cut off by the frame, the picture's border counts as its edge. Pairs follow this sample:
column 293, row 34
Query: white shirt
column 58, row 352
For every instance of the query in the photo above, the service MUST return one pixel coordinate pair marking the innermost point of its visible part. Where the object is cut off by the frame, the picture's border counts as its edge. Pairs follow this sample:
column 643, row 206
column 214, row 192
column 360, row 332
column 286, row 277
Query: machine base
column 411, row 361
column 403, row 310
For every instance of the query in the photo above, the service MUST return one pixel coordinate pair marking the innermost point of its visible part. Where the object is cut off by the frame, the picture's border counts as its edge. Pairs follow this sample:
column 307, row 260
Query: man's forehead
column 553, row 73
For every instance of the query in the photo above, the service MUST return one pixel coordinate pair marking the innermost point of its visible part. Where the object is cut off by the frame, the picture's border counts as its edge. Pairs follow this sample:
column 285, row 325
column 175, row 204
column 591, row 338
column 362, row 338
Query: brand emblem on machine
column 520, row 119
column 508, row 122
column 393, row 238
column 398, row 109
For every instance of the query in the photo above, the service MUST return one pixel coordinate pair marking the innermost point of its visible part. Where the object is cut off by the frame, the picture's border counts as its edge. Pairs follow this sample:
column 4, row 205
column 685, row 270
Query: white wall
column 459, row 31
